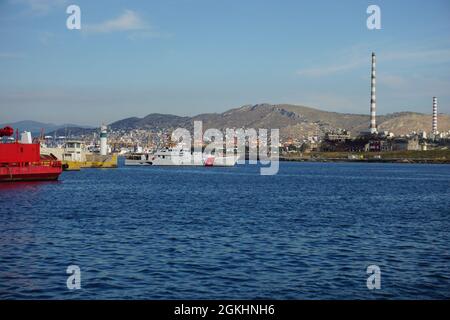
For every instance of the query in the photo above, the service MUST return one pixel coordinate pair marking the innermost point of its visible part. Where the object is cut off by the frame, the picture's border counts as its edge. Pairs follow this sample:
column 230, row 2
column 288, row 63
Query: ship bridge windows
column 74, row 145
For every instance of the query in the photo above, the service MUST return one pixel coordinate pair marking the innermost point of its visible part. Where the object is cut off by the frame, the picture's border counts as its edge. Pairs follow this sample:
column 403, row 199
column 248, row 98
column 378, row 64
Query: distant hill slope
column 73, row 131
column 406, row 122
column 154, row 121
column 35, row 127
column 292, row 120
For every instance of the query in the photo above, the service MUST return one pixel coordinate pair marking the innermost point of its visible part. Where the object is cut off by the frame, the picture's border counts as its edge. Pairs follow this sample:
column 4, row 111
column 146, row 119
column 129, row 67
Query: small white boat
column 138, row 159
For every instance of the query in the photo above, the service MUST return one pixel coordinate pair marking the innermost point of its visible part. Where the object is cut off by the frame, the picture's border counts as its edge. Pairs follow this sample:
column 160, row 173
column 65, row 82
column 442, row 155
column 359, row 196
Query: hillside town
column 301, row 136
column 125, row 141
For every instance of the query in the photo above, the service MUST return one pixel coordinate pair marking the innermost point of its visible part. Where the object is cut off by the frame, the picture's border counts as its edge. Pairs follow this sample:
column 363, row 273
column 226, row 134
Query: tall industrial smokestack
column 434, row 124
column 373, row 99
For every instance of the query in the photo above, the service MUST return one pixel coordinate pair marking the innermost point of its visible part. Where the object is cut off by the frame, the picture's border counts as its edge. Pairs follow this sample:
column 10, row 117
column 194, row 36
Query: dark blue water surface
column 228, row 233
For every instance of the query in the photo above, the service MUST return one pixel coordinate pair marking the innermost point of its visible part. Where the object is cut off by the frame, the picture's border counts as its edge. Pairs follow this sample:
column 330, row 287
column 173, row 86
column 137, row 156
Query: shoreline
column 422, row 157
column 411, row 161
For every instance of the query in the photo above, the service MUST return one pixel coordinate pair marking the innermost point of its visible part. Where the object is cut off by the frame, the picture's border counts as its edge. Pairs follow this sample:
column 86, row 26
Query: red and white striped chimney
column 434, row 123
column 373, row 99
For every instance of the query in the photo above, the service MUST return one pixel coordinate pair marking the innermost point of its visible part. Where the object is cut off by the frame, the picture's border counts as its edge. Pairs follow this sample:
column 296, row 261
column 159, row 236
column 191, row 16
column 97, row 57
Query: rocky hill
column 292, row 120
column 36, row 127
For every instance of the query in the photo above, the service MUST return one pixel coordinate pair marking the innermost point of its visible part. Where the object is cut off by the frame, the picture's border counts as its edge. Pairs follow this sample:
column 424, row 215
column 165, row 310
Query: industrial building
column 372, row 140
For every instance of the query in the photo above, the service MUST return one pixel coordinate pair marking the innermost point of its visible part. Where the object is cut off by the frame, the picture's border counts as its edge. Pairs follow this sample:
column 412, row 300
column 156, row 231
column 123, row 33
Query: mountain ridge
column 295, row 121
column 35, row 127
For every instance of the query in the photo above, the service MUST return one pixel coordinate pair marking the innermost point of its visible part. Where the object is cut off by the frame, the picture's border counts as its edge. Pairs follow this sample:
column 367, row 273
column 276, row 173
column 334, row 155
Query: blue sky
column 185, row 57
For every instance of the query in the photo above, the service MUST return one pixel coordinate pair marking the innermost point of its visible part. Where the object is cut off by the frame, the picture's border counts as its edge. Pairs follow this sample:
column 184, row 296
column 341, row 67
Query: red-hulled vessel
column 23, row 162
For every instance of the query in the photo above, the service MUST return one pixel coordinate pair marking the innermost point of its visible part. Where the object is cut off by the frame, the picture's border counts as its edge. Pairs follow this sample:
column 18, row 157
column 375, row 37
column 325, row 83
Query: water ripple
column 227, row 233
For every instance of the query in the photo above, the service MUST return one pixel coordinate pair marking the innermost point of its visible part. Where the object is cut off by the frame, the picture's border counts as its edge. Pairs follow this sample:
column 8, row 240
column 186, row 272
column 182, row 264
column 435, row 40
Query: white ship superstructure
column 179, row 157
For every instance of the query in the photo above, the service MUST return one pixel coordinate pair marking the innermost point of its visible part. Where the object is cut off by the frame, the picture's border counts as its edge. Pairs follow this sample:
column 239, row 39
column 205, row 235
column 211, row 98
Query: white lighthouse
column 103, row 141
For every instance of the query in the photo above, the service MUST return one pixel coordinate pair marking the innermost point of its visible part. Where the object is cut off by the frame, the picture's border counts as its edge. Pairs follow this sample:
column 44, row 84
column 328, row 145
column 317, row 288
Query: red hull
column 29, row 173
column 23, row 161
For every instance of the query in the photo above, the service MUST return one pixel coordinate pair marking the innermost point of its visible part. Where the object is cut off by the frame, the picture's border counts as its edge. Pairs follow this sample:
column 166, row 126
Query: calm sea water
column 228, row 233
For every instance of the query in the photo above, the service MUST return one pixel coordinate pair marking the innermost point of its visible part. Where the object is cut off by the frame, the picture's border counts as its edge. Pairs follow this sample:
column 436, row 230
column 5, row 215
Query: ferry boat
column 74, row 155
column 178, row 157
column 22, row 161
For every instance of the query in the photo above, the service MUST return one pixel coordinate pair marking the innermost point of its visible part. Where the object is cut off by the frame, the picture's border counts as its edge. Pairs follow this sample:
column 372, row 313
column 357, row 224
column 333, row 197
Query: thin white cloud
column 415, row 85
column 433, row 55
column 393, row 81
column 45, row 37
column 423, row 56
column 331, row 69
column 11, row 55
column 129, row 20
column 40, row 7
